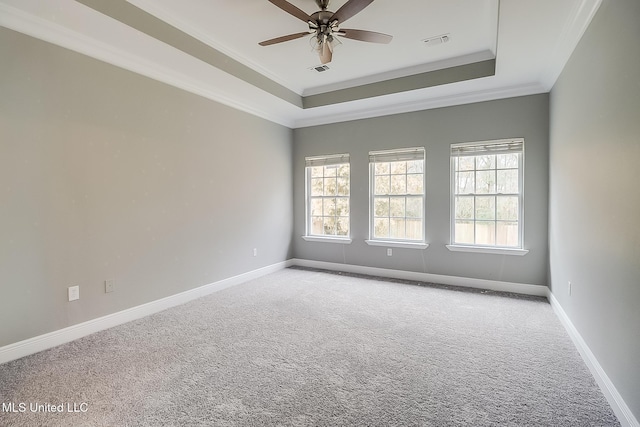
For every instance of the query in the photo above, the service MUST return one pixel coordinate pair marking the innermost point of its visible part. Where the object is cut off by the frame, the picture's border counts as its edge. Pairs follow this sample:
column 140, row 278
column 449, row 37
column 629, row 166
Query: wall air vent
column 433, row 41
column 319, row 68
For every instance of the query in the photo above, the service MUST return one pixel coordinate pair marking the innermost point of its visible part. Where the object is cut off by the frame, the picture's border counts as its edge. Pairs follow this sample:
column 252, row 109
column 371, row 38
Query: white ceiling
column 236, row 27
column 530, row 40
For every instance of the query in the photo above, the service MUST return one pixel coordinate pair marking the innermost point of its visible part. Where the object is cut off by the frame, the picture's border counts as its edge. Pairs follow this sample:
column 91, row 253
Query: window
column 327, row 197
column 397, row 197
column 486, row 196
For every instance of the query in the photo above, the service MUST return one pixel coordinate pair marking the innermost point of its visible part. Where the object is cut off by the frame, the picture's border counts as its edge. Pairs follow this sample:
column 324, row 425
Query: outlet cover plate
column 74, row 293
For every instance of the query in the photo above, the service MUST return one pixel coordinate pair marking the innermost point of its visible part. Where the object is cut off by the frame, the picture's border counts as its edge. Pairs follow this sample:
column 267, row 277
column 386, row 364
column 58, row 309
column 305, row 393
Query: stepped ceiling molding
column 493, row 49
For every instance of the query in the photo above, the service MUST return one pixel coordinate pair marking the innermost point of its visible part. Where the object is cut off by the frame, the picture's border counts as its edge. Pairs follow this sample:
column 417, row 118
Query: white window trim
column 461, row 247
column 397, row 244
column 328, row 239
column 488, row 250
column 332, row 159
column 398, row 154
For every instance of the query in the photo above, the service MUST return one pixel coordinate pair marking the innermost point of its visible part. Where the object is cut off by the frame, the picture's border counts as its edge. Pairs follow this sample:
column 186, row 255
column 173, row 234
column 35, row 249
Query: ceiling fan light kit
column 324, row 25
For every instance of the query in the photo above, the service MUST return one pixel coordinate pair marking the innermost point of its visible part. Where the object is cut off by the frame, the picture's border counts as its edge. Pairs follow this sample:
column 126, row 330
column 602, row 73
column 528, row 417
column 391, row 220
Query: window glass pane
column 316, row 225
column 486, row 182
column 381, row 228
column 486, row 199
column 486, row 162
column 464, row 232
column 506, row 161
column 381, row 206
column 316, row 207
column 343, row 187
column 414, row 229
column 329, row 206
column 398, row 167
column 404, row 182
column 507, row 233
column 397, row 228
column 464, row 207
column 382, row 168
column 466, row 163
column 382, row 184
column 396, row 207
column 415, row 166
column 329, row 225
column 398, row 184
column 330, row 171
column 342, row 227
column 507, row 208
column 316, row 187
column 485, row 208
column 485, row 233
column 414, row 207
column 507, row 181
column 328, row 199
column 465, row 182
column 342, row 206
column 330, row 186
column 415, row 184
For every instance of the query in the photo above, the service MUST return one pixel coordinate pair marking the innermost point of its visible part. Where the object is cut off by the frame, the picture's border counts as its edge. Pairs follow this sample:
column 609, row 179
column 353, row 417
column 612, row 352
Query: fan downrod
column 323, row 4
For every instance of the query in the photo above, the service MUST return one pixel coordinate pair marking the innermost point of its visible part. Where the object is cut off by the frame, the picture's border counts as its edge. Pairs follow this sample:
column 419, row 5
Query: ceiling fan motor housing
column 321, row 24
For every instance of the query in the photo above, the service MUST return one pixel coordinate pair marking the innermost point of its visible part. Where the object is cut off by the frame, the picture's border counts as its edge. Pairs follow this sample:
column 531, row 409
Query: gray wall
column 435, row 130
column 105, row 174
column 594, row 234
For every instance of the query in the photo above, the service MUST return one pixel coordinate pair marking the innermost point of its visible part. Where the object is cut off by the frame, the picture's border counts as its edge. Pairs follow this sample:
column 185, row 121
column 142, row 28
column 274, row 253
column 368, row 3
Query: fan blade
column 283, row 38
column 325, row 53
column 291, row 9
column 349, row 9
column 365, row 36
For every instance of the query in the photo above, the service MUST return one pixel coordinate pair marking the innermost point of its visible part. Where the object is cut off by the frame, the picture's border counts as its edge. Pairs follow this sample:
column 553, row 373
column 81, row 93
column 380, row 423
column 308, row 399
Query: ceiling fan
column 324, row 25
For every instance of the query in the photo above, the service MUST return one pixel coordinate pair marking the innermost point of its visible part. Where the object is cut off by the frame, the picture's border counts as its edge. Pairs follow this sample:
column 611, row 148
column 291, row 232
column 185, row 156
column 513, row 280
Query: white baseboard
column 493, row 285
column 618, row 405
column 62, row 336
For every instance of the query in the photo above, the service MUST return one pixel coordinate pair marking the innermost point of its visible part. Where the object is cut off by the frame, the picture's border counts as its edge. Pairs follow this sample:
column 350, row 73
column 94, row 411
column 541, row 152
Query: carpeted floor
column 299, row 348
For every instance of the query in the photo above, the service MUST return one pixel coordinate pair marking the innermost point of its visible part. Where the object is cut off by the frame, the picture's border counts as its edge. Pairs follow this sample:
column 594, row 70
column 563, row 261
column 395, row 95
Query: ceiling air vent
column 319, row 68
column 433, row 41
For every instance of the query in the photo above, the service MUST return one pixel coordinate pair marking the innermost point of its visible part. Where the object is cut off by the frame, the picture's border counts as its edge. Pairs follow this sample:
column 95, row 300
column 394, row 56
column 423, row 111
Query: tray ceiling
column 494, row 49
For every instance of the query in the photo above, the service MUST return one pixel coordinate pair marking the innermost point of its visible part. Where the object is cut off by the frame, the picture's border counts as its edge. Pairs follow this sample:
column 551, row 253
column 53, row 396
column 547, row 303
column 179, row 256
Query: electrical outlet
column 569, row 288
column 255, row 251
column 389, row 252
column 109, row 285
column 74, row 293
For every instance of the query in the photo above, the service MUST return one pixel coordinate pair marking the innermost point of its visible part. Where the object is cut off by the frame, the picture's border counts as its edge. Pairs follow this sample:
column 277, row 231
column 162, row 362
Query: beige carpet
column 303, row 348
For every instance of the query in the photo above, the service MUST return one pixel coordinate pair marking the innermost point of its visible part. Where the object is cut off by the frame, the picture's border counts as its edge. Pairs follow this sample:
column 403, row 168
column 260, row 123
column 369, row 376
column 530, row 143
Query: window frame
column 325, row 160
column 491, row 147
column 403, row 154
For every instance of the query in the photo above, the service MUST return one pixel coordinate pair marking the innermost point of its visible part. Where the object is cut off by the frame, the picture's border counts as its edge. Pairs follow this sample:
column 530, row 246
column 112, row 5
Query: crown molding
column 161, row 13
column 403, row 72
column 254, row 102
column 572, row 32
column 425, row 103
column 50, row 32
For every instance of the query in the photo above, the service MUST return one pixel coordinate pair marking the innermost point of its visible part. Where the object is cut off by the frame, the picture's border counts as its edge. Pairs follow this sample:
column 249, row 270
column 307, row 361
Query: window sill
column 341, row 240
column 395, row 244
column 487, row 250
